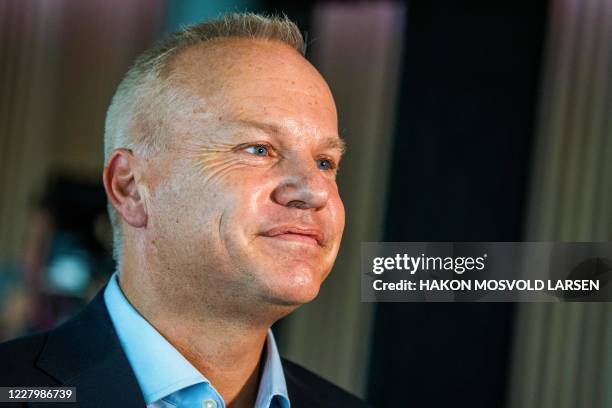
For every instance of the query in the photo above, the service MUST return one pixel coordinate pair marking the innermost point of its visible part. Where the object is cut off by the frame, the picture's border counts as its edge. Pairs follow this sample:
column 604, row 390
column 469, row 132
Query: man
column 221, row 152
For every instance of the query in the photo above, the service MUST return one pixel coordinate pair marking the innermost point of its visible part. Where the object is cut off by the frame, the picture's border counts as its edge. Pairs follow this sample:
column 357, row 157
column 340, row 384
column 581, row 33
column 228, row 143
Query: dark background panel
column 465, row 129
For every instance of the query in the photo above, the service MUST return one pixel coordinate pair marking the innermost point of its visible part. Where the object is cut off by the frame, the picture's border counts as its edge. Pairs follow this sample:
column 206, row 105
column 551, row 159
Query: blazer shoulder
column 19, row 357
column 22, row 349
column 303, row 383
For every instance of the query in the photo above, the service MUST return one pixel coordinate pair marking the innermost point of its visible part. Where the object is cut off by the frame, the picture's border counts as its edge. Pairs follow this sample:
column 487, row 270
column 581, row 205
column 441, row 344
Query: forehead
column 226, row 60
column 255, row 81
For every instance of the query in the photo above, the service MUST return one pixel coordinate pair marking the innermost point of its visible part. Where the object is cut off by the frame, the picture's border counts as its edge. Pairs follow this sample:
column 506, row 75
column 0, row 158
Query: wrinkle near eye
column 213, row 161
column 215, row 169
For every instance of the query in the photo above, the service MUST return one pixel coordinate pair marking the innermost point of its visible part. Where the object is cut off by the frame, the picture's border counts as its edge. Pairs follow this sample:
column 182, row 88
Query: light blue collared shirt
column 165, row 377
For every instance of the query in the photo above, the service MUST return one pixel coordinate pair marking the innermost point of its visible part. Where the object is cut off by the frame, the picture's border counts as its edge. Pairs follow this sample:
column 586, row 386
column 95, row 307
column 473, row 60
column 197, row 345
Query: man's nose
column 302, row 188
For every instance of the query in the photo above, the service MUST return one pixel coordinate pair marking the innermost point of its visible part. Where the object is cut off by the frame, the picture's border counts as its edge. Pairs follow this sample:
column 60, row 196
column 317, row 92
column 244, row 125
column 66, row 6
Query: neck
column 226, row 351
column 229, row 357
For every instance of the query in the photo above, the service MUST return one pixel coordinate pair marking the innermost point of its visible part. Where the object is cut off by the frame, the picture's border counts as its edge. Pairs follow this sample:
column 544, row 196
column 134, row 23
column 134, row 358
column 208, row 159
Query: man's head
column 221, row 150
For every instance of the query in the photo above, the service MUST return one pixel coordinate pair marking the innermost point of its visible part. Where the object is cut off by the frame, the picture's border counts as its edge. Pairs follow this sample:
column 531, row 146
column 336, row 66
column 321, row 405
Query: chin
column 295, row 287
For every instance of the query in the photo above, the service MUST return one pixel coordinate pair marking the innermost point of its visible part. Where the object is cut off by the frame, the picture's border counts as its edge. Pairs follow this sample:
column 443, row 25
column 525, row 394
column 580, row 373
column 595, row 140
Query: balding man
column 221, row 152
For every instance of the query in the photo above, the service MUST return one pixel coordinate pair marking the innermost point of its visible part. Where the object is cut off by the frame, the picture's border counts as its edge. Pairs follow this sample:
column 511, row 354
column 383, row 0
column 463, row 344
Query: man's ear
column 121, row 188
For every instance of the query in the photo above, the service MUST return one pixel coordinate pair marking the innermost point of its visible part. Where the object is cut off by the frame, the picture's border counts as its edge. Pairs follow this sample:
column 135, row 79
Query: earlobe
column 122, row 189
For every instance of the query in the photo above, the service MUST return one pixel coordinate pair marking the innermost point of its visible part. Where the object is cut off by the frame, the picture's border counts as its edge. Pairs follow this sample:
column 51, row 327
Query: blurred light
column 69, row 274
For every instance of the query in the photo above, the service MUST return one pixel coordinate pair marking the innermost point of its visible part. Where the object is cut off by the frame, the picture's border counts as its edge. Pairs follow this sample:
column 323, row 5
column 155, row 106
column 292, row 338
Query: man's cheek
column 338, row 216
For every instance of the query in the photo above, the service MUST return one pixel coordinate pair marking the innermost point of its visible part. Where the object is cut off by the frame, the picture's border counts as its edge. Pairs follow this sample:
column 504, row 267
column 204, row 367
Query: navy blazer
column 85, row 353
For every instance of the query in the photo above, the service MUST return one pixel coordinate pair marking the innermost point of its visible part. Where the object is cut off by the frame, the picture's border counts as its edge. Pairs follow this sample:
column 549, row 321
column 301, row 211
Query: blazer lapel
column 299, row 394
column 85, row 353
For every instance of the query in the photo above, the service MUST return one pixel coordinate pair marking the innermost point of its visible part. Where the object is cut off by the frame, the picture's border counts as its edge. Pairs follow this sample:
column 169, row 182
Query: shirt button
column 209, row 404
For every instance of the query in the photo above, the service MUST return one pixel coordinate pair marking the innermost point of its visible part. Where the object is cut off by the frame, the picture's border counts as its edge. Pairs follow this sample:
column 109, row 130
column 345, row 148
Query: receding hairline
column 233, row 44
column 248, row 26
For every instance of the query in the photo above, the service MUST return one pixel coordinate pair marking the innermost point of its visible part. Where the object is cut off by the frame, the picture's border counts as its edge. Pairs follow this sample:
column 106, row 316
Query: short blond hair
column 145, row 90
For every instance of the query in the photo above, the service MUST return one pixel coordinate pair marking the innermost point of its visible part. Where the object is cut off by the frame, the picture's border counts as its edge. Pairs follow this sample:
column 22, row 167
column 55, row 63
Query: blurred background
column 465, row 121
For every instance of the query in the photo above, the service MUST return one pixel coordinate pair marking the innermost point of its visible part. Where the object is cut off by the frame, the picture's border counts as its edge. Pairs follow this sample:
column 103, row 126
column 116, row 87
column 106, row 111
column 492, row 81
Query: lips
column 309, row 235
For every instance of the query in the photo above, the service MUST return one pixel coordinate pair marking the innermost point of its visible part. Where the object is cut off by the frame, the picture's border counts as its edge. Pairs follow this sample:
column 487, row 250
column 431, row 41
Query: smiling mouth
column 304, row 235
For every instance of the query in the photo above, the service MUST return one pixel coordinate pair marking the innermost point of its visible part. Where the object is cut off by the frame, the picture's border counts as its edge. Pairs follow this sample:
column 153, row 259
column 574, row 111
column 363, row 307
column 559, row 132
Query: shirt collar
column 161, row 370
column 272, row 384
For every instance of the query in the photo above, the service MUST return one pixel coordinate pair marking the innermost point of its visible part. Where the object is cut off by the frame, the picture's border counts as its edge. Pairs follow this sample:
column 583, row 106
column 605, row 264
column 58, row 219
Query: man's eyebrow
column 335, row 143
column 331, row 142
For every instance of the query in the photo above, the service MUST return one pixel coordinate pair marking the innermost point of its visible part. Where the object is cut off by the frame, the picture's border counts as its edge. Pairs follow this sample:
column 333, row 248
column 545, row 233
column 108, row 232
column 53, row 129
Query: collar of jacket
column 85, row 353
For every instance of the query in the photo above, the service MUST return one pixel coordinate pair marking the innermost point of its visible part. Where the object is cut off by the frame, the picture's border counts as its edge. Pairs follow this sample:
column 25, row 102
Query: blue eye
column 325, row 164
column 258, row 150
